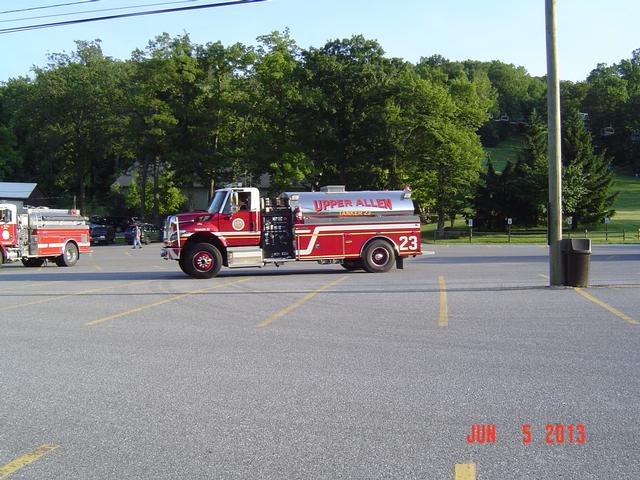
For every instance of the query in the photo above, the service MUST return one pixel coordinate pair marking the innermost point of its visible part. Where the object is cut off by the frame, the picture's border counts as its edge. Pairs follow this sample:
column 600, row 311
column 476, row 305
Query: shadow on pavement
column 44, row 276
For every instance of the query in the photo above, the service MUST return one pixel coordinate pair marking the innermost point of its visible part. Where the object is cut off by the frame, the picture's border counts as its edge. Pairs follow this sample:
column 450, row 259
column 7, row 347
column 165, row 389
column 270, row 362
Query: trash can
column 576, row 257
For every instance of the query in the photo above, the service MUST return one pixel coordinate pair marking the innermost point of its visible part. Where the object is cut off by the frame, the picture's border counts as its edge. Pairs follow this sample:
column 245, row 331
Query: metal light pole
column 555, row 166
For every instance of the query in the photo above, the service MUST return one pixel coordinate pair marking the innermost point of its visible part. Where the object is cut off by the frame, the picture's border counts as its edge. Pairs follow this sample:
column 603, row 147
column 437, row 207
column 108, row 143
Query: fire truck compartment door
column 319, row 243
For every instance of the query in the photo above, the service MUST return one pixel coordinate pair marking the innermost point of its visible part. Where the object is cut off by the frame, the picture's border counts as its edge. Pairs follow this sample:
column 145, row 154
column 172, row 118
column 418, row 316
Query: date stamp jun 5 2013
column 554, row 433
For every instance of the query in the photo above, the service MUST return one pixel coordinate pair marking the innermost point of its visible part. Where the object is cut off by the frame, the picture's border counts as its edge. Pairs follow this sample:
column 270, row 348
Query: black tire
column 182, row 267
column 351, row 264
column 33, row 262
column 378, row 257
column 69, row 257
column 146, row 240
column 202, row 260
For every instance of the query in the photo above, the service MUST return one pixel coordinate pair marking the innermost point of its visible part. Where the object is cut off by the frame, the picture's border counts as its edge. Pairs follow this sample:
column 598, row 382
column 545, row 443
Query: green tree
column 496, row 200
column 530, row 176
column 157, row 72
column 279, row 124
column 587, row 176
column 346, row 96
column 374, row 122
column 605, row 101
column 447, row 144
column 168, row 198
column 222, row 117
column 628, row 141
column 586, row 179
column 70, row 123
column 515, row 88
column 10, row 160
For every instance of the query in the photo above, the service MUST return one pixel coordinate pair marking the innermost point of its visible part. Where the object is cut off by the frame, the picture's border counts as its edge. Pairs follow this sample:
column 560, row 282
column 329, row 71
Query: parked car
column 150, row 233
column 104, row 234
column 119, row 223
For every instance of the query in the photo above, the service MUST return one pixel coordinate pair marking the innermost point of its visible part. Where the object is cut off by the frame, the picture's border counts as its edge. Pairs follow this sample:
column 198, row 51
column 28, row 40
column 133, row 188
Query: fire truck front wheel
column 378, row 257
column 182, row 266
column 203, row 260
column 69, row 257
column 33, row 262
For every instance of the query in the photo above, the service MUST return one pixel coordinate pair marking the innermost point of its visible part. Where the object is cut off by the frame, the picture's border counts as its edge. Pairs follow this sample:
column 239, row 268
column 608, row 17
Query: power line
column 96, row 10
column 48, row 6
column 125, row 15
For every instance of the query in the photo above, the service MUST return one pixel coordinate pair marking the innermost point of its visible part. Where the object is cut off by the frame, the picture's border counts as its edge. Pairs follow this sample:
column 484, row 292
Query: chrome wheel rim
column 203, row 261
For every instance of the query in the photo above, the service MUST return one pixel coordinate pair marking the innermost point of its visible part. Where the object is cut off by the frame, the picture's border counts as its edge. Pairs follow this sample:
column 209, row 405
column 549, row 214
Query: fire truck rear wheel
column 203, row 260
column 33, row 262
column 69, row 257
column 378, row 257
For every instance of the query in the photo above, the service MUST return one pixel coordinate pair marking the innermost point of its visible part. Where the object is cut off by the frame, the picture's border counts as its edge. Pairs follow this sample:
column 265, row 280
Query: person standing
column 137, row 236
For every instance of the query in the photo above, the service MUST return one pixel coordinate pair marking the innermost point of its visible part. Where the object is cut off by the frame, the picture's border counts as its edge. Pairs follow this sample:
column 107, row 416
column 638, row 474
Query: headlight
column 183, row 233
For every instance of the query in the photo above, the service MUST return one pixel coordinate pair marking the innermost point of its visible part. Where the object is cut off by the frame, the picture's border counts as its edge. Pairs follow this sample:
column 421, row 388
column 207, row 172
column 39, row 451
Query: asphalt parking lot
column 123, row 367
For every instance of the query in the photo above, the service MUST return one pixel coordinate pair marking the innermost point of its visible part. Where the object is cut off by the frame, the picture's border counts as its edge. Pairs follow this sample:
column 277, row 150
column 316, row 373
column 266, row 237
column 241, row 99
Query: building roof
column 16, row 190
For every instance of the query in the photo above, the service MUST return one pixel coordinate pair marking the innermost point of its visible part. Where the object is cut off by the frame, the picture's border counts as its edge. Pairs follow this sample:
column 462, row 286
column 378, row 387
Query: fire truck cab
column 34, row 235
column 370, row 230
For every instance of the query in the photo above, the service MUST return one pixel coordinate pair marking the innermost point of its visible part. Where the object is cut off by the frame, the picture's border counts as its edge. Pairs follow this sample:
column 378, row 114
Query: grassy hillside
column 627, row 205
column 507, row 150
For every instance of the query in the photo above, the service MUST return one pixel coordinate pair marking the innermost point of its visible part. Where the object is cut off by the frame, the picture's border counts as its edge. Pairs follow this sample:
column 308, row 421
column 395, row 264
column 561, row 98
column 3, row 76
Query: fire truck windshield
column 218, row 200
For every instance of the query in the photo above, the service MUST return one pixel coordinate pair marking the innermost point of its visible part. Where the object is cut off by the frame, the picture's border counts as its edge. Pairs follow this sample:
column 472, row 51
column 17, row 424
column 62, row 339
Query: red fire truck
column 359, row 230
column 34, row 235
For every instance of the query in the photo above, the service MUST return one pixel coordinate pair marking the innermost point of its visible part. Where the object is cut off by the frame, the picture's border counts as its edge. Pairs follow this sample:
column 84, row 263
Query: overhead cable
column 97, row 10
column 125, row 15
column 42, row 7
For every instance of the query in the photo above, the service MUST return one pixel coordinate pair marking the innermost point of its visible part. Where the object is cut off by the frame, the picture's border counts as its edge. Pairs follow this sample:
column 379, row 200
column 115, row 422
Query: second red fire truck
column 35, row 235
column 370, row 230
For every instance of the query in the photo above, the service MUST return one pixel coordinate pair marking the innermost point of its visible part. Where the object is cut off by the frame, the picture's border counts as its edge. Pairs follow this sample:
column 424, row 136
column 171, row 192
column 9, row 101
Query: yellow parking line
column 464, row 471
column 25, row 459
column 622, row 285
column 161, row 302
column 297, row 303
column 608, row 307
column 60, row 297
column 443, row 318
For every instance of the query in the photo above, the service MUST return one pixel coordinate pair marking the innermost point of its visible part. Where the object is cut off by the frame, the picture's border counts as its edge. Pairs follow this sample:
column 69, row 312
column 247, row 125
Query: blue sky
column 589, row 31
